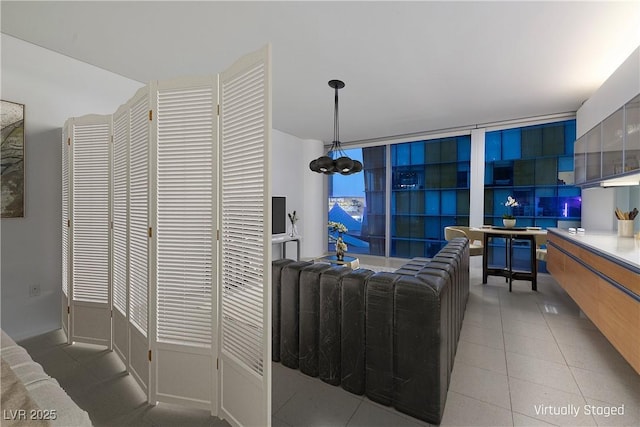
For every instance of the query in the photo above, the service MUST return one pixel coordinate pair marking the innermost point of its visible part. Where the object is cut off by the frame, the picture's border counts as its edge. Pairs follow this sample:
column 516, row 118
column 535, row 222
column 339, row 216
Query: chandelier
column 336, row 160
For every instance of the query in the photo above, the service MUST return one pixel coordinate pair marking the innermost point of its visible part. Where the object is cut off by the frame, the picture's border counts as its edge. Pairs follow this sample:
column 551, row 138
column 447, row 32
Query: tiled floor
column 96, row 380
column 521, row 357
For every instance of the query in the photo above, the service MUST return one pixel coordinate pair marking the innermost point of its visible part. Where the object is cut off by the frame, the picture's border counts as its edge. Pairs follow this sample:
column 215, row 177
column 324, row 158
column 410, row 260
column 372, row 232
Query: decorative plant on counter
column 341, row 246
column 510, row 204
column 293, row 218
column 337, row 226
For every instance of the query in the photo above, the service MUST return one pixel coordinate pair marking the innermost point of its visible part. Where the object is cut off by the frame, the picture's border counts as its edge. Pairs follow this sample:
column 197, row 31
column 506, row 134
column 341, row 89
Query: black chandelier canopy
column 336, row 160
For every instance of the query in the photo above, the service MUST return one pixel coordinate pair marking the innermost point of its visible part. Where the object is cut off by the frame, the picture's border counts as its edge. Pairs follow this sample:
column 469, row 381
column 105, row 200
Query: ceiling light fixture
column 336, row 160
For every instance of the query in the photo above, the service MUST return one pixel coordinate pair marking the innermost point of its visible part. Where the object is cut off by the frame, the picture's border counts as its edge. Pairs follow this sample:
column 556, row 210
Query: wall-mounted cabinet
column 611, row 148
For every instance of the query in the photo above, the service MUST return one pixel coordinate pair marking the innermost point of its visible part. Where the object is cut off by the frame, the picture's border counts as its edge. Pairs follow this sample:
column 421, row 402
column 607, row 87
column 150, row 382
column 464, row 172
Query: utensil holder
column 625, row 228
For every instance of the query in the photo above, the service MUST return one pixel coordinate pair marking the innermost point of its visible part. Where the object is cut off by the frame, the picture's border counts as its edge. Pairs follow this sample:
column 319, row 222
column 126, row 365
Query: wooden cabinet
column 606, row 291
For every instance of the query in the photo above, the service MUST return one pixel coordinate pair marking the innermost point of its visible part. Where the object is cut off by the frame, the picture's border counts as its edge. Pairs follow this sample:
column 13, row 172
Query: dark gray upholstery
column 289, row 313
column 310, row 317
column 330, row 320
column 379, row 337
column 276, row 276
column 391, row 336
column 353, row 330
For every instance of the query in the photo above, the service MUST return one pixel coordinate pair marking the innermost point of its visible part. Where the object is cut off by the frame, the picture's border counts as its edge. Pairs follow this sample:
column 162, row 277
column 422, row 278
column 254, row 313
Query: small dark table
column 510, row 234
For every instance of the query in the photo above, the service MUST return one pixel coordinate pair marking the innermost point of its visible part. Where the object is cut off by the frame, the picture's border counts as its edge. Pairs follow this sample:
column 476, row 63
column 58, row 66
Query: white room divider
column 66, row 232
column 166, row 255
column 245, row 246
column 120, row 233
column 186, row 167
column 90, row 291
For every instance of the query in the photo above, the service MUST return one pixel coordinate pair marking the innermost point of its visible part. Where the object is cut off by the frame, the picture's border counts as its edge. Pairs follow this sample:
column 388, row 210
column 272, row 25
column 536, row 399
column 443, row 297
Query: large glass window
column 534, row 165
column 429, row 191
column 358, row 202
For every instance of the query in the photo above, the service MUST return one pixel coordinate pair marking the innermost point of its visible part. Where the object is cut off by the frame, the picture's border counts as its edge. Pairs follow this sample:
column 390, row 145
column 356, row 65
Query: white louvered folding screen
column 185, row 241
column 120, row 208
column 90, row 305
column 138, row 216
column 185, row 226
column 245, row 228
column 66, row 230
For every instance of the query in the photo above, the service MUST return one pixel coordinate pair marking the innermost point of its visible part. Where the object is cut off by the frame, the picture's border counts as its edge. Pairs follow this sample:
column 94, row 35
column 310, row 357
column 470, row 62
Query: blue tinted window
column 493, row 146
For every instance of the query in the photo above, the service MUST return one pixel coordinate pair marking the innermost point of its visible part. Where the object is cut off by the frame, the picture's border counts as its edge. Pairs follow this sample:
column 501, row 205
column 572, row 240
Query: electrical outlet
column 34, row 290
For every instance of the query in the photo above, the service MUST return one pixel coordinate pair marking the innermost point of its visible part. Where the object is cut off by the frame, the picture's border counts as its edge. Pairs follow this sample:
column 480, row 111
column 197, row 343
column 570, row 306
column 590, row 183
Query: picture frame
column 12, row 153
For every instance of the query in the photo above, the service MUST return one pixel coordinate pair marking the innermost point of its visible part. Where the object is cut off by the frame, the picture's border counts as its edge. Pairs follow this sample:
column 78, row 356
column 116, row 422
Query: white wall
column 53, row 88
column 291, row 178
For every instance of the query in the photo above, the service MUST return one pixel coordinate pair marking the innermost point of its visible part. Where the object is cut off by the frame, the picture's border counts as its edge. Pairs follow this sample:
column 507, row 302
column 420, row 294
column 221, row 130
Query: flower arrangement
column 510, row 204
column 337, row 226
column 293, row 218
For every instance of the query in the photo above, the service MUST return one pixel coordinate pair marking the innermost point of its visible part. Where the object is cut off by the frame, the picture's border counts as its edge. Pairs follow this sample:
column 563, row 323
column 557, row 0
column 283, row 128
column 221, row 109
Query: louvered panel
column 139, row 217
column 120, row 205
column 91, row 213
column 243, row 224
column 65, row 215
column 185, row 216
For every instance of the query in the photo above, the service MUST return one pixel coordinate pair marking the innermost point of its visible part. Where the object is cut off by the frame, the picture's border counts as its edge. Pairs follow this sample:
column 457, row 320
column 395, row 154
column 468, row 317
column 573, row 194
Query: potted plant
column 508, row 220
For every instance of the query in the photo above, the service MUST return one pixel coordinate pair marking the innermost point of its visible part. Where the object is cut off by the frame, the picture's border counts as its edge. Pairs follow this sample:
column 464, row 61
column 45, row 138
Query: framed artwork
column 12, row 160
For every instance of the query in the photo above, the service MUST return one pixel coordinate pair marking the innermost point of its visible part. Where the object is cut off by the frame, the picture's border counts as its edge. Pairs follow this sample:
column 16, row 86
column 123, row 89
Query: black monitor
column 278, row 215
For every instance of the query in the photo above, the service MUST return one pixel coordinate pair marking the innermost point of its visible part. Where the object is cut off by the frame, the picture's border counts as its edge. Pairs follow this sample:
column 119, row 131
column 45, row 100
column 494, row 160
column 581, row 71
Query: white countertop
column 625, row 250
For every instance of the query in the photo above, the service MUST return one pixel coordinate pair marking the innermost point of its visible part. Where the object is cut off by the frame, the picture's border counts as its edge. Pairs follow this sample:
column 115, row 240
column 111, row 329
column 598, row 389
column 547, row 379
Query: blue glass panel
column 448, row 202
column 393, row 202
column 403, row 154
column 488, row 174
column 492, row 146
column 393, row 155
column 565, row 164
column 464, row 148
column 499, row 198
column 511, row 144
column 433, row 228
column 545, row 191
column 569, row 136
column 432, row 202
column 417, row 153
column 568, row 191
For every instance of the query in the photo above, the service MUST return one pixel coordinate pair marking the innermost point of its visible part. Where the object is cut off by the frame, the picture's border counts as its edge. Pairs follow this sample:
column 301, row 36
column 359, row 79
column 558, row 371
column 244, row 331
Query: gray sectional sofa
column 390, row 336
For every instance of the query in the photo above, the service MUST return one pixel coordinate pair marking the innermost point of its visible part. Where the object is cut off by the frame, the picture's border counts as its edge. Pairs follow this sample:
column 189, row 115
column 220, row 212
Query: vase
column 293, row 230
column 625, row 228
column 339, row 255
column 509, row 222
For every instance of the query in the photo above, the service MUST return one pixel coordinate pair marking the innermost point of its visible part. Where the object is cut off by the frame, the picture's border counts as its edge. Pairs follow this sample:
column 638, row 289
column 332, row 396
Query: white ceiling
column 408, row 66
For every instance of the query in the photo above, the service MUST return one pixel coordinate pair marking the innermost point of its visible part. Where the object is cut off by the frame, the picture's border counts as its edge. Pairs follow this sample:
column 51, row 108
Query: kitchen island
column 601, row 272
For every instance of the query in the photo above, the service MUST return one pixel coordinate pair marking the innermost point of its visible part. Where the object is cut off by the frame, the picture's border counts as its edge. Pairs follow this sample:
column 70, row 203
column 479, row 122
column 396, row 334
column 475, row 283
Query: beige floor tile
column 548, row 404
column 597, row 357
column 481, row 356
column 608, row 388
column 520, row 420
column 465, row 411
column 555, row 375
column 510, row 314
column 484, row 335
column 578, row 336
column 533, row 347
column 480, row 384
column 577, row 320
column 528, row 329
column 483, row 321
column 604, row 414
column 369, row 414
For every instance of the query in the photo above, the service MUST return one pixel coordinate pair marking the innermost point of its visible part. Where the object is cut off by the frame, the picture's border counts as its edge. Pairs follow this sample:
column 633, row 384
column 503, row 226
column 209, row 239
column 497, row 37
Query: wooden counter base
column 607, row 292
